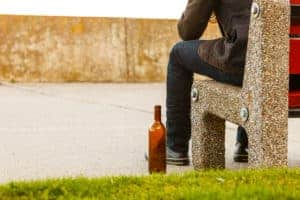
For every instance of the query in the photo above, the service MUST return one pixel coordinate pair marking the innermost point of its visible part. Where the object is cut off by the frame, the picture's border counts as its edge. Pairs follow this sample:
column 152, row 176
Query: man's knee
column 177, row 48
column 175, row 51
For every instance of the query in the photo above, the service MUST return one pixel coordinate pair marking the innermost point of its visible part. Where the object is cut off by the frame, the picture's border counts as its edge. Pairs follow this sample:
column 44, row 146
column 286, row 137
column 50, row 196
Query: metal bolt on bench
column 260, row 106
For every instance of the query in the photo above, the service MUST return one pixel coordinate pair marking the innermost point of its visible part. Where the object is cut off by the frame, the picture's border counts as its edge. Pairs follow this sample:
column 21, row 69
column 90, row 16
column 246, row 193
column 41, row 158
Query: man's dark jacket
column 227, row 53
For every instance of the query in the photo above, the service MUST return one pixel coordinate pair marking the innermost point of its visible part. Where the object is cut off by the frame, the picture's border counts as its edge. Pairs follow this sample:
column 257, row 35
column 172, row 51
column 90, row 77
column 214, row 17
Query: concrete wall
column 70, row 49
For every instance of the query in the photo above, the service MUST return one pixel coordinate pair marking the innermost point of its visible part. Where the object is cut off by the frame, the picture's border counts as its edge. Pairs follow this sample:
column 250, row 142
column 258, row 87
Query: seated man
column 222, row 59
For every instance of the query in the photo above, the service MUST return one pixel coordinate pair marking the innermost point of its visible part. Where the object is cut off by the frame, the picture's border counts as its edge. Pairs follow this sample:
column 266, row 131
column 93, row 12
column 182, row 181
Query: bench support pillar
column 264, row 94
column 211, row 142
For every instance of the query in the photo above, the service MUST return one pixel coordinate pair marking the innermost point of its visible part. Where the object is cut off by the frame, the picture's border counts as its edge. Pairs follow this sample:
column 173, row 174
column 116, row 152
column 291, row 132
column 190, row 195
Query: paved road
column 54, row 130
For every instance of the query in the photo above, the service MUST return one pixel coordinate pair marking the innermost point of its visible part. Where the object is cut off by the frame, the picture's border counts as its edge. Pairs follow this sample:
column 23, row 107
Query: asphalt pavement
column 63, row 130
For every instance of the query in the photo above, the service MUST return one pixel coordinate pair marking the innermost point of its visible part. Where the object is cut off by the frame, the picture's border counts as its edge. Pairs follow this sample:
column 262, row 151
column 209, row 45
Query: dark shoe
column 240, row 153
column 175, row 158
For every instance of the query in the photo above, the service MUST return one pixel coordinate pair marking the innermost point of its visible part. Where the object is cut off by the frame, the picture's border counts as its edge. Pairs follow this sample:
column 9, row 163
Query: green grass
column 244, row 184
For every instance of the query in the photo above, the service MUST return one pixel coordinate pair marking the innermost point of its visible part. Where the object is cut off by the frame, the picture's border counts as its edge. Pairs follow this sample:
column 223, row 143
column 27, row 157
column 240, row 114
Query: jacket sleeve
column 195, row 19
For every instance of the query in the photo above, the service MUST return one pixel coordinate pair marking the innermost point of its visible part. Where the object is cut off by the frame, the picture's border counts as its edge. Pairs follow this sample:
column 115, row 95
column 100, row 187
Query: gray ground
column 54, row 130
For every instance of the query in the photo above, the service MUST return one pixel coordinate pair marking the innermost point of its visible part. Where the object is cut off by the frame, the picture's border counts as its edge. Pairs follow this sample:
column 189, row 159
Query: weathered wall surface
column 148, row 46
column 70, row 49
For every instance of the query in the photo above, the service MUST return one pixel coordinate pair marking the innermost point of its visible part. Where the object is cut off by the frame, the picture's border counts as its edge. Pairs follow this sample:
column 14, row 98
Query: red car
column 294, row 94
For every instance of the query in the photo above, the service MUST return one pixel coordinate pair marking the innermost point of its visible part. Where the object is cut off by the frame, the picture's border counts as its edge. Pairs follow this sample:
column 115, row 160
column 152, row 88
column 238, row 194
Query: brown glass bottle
column 157, row 144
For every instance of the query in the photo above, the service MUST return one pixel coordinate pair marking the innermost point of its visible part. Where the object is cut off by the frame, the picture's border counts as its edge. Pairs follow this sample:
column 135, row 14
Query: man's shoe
column 240, row 153
column 175, row 158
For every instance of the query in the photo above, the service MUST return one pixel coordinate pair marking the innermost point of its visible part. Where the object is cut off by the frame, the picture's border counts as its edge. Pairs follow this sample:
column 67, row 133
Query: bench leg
column 208, row 141
column 267, row 147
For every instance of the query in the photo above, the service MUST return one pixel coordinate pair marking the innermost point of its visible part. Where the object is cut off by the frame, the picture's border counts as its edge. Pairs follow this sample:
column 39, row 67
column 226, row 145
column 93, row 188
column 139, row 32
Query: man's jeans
column 183, row 62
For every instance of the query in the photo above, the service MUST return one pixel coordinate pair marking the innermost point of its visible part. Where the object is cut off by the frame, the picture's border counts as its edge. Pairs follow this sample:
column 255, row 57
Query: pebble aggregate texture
column 86, row 49
column 264, row 94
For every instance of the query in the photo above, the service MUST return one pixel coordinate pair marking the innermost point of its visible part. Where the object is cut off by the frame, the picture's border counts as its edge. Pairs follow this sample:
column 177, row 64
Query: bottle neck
column 157, row 113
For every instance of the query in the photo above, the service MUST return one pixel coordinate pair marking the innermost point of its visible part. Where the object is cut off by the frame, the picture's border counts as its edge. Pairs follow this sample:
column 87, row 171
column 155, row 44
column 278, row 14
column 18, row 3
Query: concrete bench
column 260, row 106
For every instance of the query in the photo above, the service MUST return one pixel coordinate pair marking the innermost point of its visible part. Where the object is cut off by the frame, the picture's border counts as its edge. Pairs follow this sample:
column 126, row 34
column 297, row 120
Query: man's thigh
column 187, row 55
